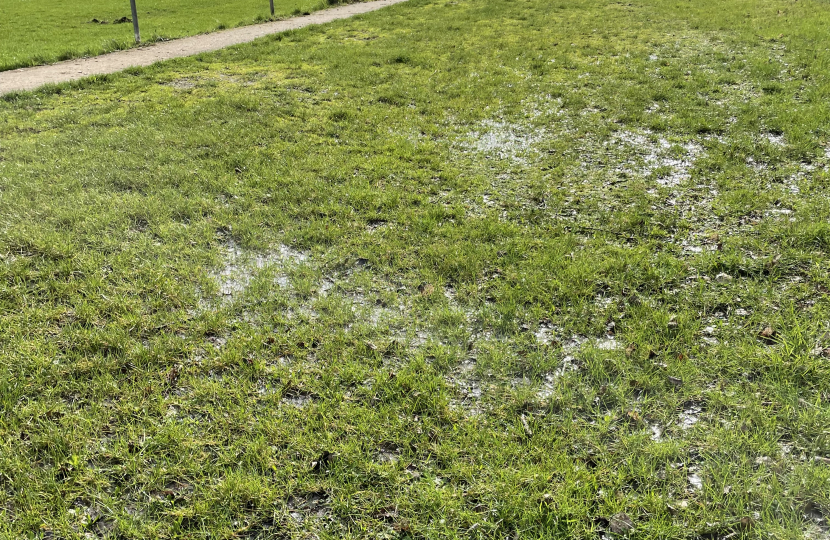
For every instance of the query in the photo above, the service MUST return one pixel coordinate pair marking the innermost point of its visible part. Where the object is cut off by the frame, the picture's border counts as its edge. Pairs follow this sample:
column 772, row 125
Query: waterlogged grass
column 33, row 33
column 472, row 269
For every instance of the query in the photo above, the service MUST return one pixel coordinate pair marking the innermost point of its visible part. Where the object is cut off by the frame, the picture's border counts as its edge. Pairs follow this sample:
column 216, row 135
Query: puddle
column 571, row 348
column 544, row 334
column 690, row 416
column 388, row 453
column 298, row 400
column 776, row 140
column 217, row 341
column 309, row 505
column 572, row 344
column 413, row 340
column 696, row 245
column 656, row 432
column 568, row 364
column 549, row 386
column 376, row 225
column 504, row 140
column 468, row 387
column 263, row 388
column 325, row 286
column 607, row 344
column 817, row 532
column 450, row 294
column 695, row 481
column 671, row 162
column 816, row 519
column 779, row 213
column 241, row 266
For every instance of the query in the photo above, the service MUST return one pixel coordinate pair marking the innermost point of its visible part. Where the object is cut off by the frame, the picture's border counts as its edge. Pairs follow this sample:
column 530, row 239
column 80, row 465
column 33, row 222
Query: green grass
column 51, row 30
column 470, row 269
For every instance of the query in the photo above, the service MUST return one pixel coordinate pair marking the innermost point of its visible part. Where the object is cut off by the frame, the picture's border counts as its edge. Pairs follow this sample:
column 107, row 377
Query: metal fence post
column 272, row 8
column 135, row 21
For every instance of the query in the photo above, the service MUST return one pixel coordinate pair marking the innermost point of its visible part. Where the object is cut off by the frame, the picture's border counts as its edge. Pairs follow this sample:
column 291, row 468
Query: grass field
column 468, row 269
column 33, row 33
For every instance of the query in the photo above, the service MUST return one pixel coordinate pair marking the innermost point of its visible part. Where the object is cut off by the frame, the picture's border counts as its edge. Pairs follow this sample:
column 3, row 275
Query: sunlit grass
column 470, row 269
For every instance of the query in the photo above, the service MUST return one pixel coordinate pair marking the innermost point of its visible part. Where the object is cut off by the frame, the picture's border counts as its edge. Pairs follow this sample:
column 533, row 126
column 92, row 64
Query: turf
column 471, row 269
column 33, row 33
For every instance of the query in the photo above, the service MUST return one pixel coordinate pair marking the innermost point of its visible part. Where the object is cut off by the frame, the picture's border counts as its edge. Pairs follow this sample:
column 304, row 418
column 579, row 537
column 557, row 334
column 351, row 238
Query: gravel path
column 31, row 78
